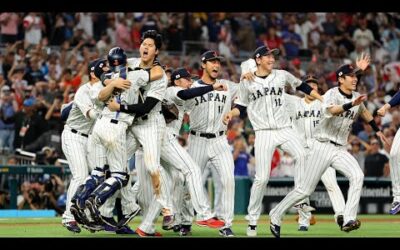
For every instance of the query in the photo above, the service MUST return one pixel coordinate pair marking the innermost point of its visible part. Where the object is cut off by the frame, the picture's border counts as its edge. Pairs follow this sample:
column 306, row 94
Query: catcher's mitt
column 170, row 112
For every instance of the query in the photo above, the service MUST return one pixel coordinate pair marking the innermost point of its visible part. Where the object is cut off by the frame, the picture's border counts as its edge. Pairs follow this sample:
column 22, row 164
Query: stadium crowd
column 44, row 59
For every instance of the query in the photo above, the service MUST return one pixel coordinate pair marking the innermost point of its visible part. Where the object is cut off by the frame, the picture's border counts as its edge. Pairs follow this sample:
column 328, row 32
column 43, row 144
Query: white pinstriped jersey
column 138, row 78
column 155, row 89
column 94, row 94
column 305, row 116
column 264, row 99
column 78, row 118
column 207, row 111
column 337, row 128
column 172, row 97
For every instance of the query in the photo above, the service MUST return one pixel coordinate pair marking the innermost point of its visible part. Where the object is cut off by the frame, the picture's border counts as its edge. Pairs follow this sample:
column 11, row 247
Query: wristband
column 373, row 125
column 347, row 106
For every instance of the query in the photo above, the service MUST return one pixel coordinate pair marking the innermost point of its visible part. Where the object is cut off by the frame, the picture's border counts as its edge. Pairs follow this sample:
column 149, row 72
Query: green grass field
column 371, row 226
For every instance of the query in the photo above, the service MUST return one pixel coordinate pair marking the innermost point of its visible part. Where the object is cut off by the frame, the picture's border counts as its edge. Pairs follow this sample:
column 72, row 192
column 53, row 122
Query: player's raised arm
column 392, row 103
column 367, row 116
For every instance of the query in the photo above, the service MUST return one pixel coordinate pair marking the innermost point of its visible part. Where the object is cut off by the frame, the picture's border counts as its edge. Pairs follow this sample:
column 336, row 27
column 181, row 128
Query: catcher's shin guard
column 106, row 190
column 84, row 190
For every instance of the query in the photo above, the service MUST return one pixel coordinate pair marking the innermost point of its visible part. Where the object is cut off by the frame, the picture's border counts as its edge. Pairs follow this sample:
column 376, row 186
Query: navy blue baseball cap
column 96, row 66
column 346, row 69
column 211, row 55
column 180, row 73
column 263, row 51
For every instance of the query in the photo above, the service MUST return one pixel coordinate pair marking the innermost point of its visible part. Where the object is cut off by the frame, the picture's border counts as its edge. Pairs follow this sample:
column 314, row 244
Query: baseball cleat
column 125, row 230
column 186, row 230
column 304, row 207
column 79, row 215
column 212, row 223
column 168, row 222
column 275, row 230
column 395, row 208
column 72, row 226
column 176, row 228
column 303, row 228
column 94, row 211
column 226, row 232
column 127, row 218
column 92, row 227
column 144, row 234
column 252, row 230
column 351, row 225
column 109, row 222
column 340, row 221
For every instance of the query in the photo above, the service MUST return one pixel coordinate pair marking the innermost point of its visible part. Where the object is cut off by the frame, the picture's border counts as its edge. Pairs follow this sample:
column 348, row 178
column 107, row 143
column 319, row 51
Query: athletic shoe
column 72, row 226
column 226, row 232
column 351, row 225
column 177, row 228
column 212, row 223
column 395, row 207
column 305, row 207
column 275, row 230
column 186, row 230
column 144, row 234
column 168, row 222
column 340, row 221
column 252, row 230
column 127, row 218
column 303, row 228
column 125, row 230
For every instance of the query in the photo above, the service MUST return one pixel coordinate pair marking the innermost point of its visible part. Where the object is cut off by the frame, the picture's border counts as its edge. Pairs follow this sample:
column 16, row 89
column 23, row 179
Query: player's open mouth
column 145, row 53
column 215, row 71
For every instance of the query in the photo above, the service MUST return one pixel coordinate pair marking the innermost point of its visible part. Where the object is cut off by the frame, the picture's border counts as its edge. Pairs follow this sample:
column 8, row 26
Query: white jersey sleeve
column 248, row 66
column 172, row 95
column 138, row 78
column 82, row 100
column 291, row 80
column 243, row 95
column 233, row 88
column 158, row 88
column 328, row 102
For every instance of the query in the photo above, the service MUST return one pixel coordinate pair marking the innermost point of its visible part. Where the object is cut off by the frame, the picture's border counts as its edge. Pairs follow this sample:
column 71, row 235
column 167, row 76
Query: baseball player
column 341, row 107
column 263, row 97
column 207, row 141
column 394, row 159
column 305, row 114
column 75, row 137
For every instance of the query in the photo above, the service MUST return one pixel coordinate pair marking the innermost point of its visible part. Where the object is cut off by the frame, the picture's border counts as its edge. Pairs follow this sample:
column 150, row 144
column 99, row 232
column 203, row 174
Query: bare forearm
column 106, row 92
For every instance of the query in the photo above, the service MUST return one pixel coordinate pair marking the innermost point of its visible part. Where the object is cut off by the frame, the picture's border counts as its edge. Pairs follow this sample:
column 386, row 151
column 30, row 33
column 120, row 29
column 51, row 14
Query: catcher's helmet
column 116, row 58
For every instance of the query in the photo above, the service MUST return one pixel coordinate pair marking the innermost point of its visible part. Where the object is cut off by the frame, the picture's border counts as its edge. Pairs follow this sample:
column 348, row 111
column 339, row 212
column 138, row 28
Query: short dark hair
column 152, row 34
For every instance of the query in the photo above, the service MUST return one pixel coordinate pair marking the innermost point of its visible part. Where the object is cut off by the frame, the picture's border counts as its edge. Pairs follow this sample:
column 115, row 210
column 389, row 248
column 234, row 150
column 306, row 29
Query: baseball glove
column 170, row 112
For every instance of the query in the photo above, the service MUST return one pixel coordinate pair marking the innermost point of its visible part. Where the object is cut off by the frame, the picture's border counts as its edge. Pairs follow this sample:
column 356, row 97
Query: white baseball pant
column 218, row 153
column 323, row 155
column 265, row 144
column 74, row 147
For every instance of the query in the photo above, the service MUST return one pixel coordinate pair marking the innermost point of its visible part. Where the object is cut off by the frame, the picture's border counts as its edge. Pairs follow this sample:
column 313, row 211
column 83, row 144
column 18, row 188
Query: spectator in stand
column 8, row 109
column 291, row 41
column 123, row 38
column 9, row 27
column 241, row 157
column 29, row 125
column 363, row 36
column 33, row 26
column 376, row 163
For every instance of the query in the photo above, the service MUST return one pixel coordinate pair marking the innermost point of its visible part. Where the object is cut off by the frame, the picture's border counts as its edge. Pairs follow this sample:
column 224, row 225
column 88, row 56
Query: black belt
column 79, row 133
column 114, row 121
column 207, row 135
column 336, row 144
